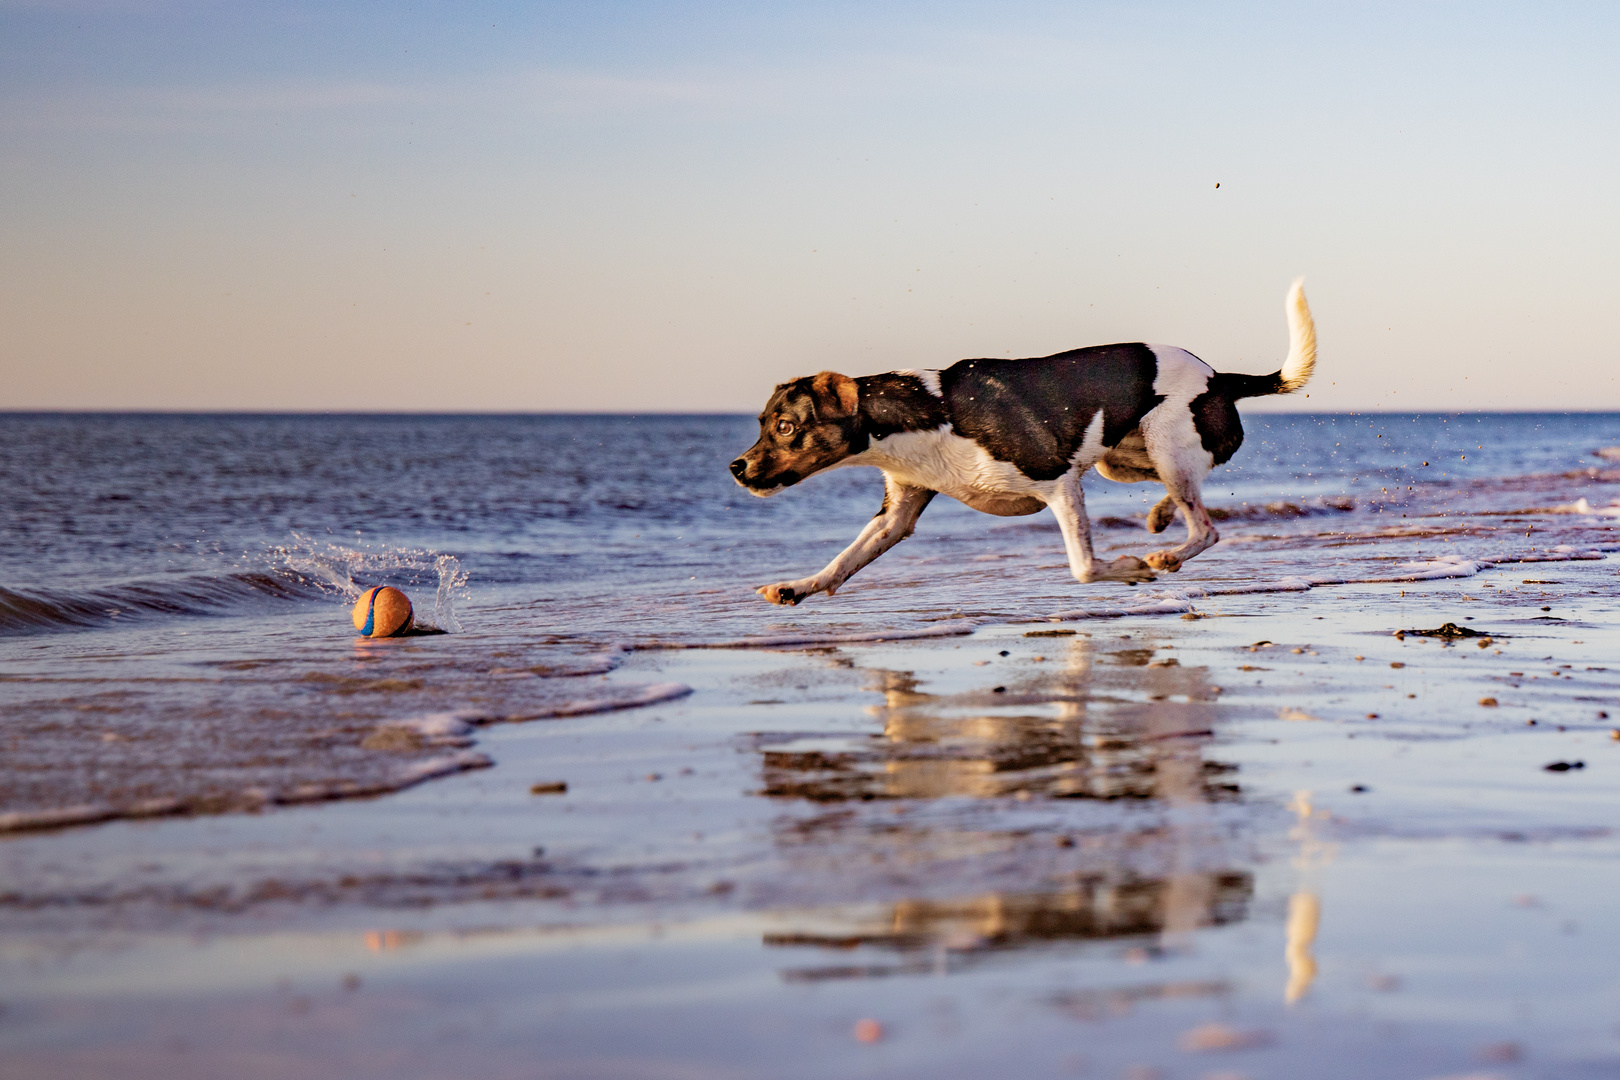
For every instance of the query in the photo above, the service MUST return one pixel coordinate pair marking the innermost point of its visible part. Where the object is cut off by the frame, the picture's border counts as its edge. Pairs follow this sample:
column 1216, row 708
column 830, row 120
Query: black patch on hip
column 1215, row 415
column 1033, row 413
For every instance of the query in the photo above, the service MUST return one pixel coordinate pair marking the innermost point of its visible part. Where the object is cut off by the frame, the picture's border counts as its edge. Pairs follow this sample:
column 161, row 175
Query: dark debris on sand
column 1446, row 631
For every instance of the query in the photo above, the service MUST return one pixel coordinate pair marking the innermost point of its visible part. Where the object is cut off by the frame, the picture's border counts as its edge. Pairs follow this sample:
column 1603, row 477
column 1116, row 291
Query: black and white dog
column 1010, row 437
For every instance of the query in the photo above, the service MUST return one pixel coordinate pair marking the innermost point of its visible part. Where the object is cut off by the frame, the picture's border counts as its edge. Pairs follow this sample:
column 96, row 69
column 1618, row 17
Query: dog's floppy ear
column 837, row 396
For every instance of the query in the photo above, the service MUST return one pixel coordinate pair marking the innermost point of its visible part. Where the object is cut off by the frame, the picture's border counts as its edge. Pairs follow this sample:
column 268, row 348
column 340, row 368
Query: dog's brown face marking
column 808, row 425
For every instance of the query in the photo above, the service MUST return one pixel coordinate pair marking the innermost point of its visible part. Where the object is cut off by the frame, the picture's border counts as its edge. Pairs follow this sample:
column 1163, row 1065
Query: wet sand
column 1273, row 840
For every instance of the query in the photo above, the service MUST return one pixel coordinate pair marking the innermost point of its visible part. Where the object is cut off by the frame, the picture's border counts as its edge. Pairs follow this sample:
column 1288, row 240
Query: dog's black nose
column 739, row 467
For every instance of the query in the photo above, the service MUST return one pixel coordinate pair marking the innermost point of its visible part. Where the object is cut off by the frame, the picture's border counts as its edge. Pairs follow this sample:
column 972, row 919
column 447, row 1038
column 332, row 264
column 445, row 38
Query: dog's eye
column 784, row 427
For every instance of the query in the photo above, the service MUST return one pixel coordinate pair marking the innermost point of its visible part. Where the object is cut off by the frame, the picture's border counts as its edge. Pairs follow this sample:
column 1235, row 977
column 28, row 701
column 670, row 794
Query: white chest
column 943, row 461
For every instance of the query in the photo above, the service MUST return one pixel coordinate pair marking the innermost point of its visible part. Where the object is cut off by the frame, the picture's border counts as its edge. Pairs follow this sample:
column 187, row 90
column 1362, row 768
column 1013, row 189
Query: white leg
column 902, row 506
column 1068, row 503
column 1179, row 457
column 1201, row 534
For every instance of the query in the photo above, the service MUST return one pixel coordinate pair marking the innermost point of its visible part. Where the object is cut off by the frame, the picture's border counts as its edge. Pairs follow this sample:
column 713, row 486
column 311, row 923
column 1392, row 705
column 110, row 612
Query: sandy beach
column 1265, row 837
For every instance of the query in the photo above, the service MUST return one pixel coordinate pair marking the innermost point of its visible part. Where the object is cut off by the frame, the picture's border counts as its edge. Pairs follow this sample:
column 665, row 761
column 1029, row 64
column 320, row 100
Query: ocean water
column 966, row 818
column 113, row 520
column 177, row 586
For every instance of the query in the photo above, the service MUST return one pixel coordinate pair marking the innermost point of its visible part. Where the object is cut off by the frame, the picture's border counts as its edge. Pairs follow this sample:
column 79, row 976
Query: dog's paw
column 1163, row 560
column 1126, row 568
column 785, row 593
column 1161, row 515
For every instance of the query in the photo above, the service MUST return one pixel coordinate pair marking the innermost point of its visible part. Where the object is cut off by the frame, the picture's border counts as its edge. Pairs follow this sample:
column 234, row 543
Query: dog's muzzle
column 760, row 484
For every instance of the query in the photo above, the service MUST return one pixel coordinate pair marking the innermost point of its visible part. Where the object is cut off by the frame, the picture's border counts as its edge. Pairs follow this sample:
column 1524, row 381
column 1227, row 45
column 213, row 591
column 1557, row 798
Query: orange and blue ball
column 382, row 612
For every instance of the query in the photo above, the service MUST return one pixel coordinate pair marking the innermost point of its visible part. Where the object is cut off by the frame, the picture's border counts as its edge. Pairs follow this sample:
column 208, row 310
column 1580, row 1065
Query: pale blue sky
column 636, row 206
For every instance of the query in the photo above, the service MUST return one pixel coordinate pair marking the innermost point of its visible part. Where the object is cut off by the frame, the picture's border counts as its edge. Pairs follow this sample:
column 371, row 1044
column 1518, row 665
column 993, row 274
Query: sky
column 637, row 207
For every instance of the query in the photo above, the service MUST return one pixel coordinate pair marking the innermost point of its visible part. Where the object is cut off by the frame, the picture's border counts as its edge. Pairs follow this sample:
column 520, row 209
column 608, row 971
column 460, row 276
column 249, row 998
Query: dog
column 1013, row 437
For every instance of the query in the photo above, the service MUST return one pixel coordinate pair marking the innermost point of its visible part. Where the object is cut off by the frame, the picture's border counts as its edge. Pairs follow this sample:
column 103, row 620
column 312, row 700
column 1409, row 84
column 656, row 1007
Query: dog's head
column 808, row 425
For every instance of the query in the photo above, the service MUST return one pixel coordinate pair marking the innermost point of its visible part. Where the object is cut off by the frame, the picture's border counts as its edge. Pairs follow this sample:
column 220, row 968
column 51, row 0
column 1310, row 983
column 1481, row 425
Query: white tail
column 1301, row 362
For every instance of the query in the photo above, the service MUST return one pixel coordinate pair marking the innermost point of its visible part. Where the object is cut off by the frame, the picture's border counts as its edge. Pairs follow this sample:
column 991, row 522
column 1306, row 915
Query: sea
column 1334, row 799
column 611, row 526
column 195, row 572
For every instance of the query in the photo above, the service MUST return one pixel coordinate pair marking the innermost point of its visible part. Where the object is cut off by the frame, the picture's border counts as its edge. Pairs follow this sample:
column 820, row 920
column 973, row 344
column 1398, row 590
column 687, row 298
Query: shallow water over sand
column 1269, row 840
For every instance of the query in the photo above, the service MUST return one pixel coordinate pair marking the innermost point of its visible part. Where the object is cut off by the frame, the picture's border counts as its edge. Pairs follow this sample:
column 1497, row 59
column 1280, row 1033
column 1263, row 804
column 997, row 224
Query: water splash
column 452, row 583
column 350, row 570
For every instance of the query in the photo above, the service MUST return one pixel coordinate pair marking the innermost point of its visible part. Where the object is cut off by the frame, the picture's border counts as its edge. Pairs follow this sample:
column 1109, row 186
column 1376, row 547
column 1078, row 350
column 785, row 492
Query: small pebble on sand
column 868, row 1031
column 1217, row 1036
column 1488, row 702
column 549, row 787
column 1500, row 1052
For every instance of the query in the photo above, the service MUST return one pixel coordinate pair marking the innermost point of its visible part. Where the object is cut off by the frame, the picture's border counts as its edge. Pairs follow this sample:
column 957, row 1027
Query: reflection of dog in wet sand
column 1010, row 437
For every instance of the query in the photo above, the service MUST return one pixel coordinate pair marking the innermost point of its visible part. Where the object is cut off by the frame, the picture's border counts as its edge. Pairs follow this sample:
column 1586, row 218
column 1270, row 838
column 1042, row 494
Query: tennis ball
column 382, row 612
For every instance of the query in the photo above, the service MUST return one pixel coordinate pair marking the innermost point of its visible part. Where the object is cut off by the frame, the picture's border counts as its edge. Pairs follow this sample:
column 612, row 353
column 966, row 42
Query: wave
column 27, row 611
column 1274, row 511
column 302, row 570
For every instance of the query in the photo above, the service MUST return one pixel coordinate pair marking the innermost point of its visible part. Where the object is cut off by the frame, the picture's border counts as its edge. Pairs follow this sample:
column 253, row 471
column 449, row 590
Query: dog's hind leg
column 1182, row 461
column 1163, row 512
column 1186, row 495
column 1068, row 503
column 902, row 506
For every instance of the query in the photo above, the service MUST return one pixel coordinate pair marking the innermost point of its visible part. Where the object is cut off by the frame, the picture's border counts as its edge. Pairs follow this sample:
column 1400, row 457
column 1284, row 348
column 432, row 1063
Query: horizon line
column 629, row 414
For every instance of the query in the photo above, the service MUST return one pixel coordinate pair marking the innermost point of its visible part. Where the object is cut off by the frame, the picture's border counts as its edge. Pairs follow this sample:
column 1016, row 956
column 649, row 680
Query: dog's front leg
column 902, row 506
column 1068, row 505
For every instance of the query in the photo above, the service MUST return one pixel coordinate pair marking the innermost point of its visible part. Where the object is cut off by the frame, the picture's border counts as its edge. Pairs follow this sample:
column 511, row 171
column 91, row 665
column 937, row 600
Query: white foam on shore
column 1177, row 601
column 86, row 814
column 953, row 628
column 437, row 729
column 1168, row 603
column 1581, row 506
column 628, row 698
column 598, row 664
column 407, row 776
